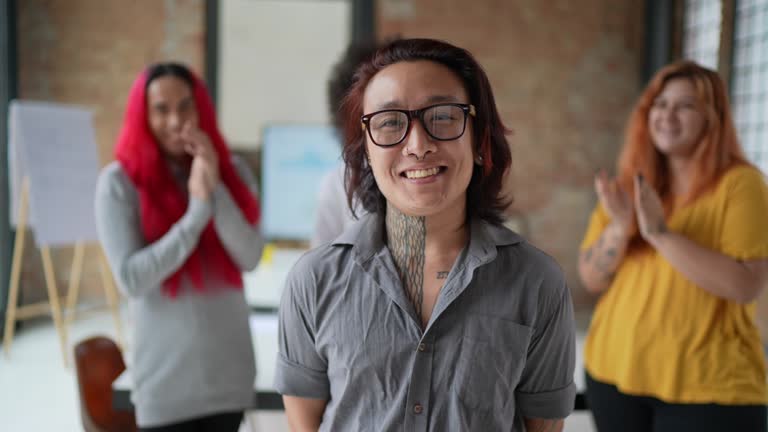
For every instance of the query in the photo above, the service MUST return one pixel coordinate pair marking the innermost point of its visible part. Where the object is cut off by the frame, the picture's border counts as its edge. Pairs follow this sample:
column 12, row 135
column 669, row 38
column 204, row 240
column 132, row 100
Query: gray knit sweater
column 193, row 354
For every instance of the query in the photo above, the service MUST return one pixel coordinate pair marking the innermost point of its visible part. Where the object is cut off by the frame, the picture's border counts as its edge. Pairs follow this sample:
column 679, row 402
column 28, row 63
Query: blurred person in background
column 677, row 248
column 178, row 219
column 333, row 213
column 426, row 314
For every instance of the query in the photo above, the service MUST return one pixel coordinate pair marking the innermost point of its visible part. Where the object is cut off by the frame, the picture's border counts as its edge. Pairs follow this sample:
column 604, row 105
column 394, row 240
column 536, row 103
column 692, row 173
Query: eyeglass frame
column 468, row 109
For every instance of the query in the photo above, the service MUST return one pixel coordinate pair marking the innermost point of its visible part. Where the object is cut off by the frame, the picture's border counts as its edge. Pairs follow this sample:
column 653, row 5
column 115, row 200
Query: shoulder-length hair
column 484, row 198
column 718, row 148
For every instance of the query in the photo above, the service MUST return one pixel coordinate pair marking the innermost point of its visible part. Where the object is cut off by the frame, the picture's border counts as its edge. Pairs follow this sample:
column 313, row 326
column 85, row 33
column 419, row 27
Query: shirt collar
column 366, row 236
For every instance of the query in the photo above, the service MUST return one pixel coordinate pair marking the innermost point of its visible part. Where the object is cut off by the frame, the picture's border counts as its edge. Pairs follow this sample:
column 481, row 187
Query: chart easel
column 53, row 167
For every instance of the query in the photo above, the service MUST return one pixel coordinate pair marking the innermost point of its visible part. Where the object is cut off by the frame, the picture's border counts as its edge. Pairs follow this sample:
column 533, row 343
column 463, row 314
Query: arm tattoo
column 406, row 236
column 604, row 260
column 442, row 274
column 603, row 256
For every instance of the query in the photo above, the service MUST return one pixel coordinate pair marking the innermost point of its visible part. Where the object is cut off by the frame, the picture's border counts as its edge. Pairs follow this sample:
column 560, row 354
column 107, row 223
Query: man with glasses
column 426, row 314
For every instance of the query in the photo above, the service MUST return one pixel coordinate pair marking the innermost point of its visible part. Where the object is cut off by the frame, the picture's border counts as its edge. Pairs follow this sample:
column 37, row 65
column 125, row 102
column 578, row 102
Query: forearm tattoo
column 603, row 256
column 406, row 236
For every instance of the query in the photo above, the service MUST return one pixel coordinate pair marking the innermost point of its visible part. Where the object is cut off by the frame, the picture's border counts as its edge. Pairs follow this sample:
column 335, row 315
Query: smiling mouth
column 422, row 173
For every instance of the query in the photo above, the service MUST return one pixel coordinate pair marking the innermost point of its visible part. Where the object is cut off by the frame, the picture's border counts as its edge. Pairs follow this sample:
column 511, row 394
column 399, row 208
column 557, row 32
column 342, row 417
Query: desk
column 264, row 285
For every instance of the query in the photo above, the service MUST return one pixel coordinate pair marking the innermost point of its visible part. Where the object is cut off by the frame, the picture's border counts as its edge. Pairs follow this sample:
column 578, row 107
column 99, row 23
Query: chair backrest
column 98, row 362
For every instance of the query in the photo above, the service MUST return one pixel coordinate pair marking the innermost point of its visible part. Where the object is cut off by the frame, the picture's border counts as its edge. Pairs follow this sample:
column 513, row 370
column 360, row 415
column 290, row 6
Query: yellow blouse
column 655, row 333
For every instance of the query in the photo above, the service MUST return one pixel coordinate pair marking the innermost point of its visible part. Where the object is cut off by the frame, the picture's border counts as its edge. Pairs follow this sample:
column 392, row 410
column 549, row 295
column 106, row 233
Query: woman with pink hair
column 178, row 219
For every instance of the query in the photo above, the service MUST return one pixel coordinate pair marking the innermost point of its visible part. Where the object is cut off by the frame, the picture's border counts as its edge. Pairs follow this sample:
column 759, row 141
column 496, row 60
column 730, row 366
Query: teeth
column 415, row 174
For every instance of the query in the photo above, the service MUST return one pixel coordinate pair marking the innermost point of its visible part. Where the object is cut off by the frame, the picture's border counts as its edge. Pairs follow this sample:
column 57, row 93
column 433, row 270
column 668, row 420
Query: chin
column 424, row 208
column 675, row 149
column 415, row 209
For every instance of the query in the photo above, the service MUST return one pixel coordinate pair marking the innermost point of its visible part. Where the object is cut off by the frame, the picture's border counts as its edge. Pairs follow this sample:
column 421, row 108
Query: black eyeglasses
column 442, row 122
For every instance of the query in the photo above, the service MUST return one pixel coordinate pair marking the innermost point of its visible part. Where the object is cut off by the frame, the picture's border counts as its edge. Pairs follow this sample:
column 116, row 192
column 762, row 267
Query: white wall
column 274, row 60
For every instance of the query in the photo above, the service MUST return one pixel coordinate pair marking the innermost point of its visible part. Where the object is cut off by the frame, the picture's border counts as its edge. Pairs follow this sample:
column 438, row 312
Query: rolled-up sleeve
column 546, row 389
column 300, row 369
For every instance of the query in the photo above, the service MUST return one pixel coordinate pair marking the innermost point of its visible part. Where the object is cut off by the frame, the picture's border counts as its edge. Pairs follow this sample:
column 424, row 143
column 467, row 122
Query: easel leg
column 74, row 282
column 53, row 298
column 13, row 294
column 110, row 291
column 18, row 254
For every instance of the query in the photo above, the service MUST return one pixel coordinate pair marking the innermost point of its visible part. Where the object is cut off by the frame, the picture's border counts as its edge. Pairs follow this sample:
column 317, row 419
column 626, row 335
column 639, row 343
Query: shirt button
column 417, row 409
column 422, row 347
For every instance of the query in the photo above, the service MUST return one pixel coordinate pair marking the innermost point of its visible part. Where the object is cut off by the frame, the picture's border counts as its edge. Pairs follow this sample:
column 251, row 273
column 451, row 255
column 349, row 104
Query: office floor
column 37, row 393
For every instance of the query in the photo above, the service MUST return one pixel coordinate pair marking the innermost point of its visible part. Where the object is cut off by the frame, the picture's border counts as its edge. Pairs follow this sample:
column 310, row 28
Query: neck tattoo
column 406, row 236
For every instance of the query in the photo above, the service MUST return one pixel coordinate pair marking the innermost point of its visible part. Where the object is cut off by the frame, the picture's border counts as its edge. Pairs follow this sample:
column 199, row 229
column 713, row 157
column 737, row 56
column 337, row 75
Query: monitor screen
column 295, row 159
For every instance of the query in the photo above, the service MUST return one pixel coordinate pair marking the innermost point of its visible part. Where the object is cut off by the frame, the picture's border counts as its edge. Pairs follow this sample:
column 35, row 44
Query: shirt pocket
column 491, row 361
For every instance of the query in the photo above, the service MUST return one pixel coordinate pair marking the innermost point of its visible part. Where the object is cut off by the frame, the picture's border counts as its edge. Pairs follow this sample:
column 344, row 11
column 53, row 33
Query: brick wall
column 565, row 75
column 88, row 52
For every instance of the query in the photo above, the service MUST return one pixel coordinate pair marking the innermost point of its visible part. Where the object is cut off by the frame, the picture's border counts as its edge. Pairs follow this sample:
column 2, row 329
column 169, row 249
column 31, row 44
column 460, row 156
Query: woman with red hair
column 178, row 219
column 678, row 250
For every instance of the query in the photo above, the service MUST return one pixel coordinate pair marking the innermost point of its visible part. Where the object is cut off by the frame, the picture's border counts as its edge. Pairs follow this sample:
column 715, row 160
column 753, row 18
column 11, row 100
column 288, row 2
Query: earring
column 479, row 160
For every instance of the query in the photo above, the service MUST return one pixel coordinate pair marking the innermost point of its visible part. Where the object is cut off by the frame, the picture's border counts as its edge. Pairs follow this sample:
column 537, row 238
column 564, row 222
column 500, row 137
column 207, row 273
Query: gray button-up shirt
column 498, row 347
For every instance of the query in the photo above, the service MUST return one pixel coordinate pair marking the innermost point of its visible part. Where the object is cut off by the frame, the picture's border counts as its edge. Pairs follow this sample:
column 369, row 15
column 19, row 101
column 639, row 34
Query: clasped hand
column 647, row 207
column 204, row 172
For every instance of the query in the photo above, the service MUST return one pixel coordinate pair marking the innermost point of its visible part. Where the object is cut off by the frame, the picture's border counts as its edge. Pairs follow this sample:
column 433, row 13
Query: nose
column 174, row 121
column 418, row 142
column 669, row 113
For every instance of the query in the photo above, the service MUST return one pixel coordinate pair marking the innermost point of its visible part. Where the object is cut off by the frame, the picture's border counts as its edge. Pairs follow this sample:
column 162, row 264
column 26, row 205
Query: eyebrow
column 163, row 103
column 431, row 100
column 690, row 97
column 683, row 100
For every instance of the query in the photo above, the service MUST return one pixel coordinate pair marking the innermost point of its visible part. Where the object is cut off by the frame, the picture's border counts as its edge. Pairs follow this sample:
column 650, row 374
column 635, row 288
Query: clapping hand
column 204, row 173
column 616, row 202
column 650, row 210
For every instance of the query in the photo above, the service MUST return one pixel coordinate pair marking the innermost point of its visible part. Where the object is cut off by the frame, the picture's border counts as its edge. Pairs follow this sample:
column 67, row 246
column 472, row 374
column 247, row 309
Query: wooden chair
column 98, row 362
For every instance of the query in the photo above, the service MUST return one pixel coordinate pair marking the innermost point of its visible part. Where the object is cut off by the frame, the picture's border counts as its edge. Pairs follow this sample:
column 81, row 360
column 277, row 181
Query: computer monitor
column 294, row 160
